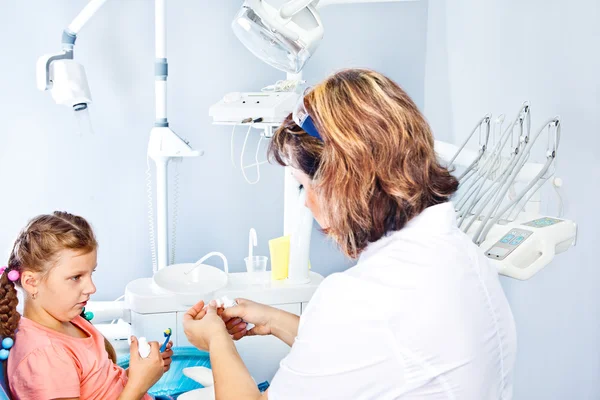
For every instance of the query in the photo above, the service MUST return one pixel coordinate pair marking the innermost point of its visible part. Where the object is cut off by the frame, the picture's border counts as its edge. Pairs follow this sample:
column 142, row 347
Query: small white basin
column 192, row 282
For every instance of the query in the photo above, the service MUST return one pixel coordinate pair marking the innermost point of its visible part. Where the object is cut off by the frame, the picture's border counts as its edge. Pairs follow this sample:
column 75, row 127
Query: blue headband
column 309, row 127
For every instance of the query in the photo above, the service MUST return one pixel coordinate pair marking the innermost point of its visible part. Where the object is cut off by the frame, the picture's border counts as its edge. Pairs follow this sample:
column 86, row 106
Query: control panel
column 508, row 243
column 543, row 222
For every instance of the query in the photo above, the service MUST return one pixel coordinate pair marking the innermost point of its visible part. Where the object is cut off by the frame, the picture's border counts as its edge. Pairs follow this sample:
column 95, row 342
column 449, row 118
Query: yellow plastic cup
column 280, row 257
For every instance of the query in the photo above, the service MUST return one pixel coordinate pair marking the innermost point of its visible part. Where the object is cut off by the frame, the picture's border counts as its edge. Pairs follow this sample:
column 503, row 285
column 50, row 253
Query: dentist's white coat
column 421, row 316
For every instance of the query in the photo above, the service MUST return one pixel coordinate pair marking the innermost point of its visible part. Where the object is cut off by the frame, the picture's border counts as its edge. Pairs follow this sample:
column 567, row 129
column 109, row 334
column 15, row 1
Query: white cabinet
column 152, row 326
column 153, row 310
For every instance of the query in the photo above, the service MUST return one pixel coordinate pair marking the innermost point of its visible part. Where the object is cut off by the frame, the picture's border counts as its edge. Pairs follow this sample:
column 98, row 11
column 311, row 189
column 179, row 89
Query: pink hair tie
column 2, row 269
column 13, row 275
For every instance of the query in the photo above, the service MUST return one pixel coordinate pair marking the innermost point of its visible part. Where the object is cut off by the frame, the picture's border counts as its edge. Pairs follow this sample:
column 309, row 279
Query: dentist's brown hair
column 376, row 167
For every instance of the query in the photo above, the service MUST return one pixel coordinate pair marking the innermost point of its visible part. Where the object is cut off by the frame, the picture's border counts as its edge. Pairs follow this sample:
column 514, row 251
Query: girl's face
column 68, row 286
column 311, row 198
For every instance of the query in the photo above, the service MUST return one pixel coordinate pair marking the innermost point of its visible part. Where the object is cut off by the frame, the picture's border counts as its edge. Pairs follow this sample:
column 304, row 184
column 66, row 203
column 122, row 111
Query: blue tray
column 174, row 383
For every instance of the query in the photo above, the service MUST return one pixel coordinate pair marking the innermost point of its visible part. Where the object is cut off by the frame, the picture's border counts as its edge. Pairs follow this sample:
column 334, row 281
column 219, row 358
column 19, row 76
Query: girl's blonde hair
column 36, row 249
column 376, row 167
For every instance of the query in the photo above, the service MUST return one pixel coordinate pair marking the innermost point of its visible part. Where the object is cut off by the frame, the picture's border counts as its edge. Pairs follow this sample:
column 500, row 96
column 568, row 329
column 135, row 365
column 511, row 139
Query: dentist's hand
column 236, row 319
column 201, row 324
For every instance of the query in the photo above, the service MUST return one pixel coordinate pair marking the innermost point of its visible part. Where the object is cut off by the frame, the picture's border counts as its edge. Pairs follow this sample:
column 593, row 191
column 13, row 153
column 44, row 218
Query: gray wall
column 45, row 166
column 489, row 56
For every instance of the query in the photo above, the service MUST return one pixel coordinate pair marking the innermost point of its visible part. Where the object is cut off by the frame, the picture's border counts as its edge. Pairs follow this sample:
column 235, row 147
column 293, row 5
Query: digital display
column 543, row 222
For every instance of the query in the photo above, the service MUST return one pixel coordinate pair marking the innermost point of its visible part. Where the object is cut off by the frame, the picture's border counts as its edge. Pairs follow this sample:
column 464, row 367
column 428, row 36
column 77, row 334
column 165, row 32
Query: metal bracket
column 65, row 55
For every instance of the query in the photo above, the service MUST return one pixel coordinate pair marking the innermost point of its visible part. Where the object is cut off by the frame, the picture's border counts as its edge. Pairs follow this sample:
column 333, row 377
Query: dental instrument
column 503, row 183
column 506, row 167
column 550, row 156
column 505, row 222
column 482, row 145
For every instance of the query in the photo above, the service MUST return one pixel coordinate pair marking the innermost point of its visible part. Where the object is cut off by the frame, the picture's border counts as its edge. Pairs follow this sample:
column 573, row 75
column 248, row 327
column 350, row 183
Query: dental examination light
column 284, row 34
column 285, row 37
column 66, row 80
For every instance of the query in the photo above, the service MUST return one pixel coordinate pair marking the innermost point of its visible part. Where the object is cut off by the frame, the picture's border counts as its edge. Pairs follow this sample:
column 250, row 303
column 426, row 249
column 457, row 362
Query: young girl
column 57, row 354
